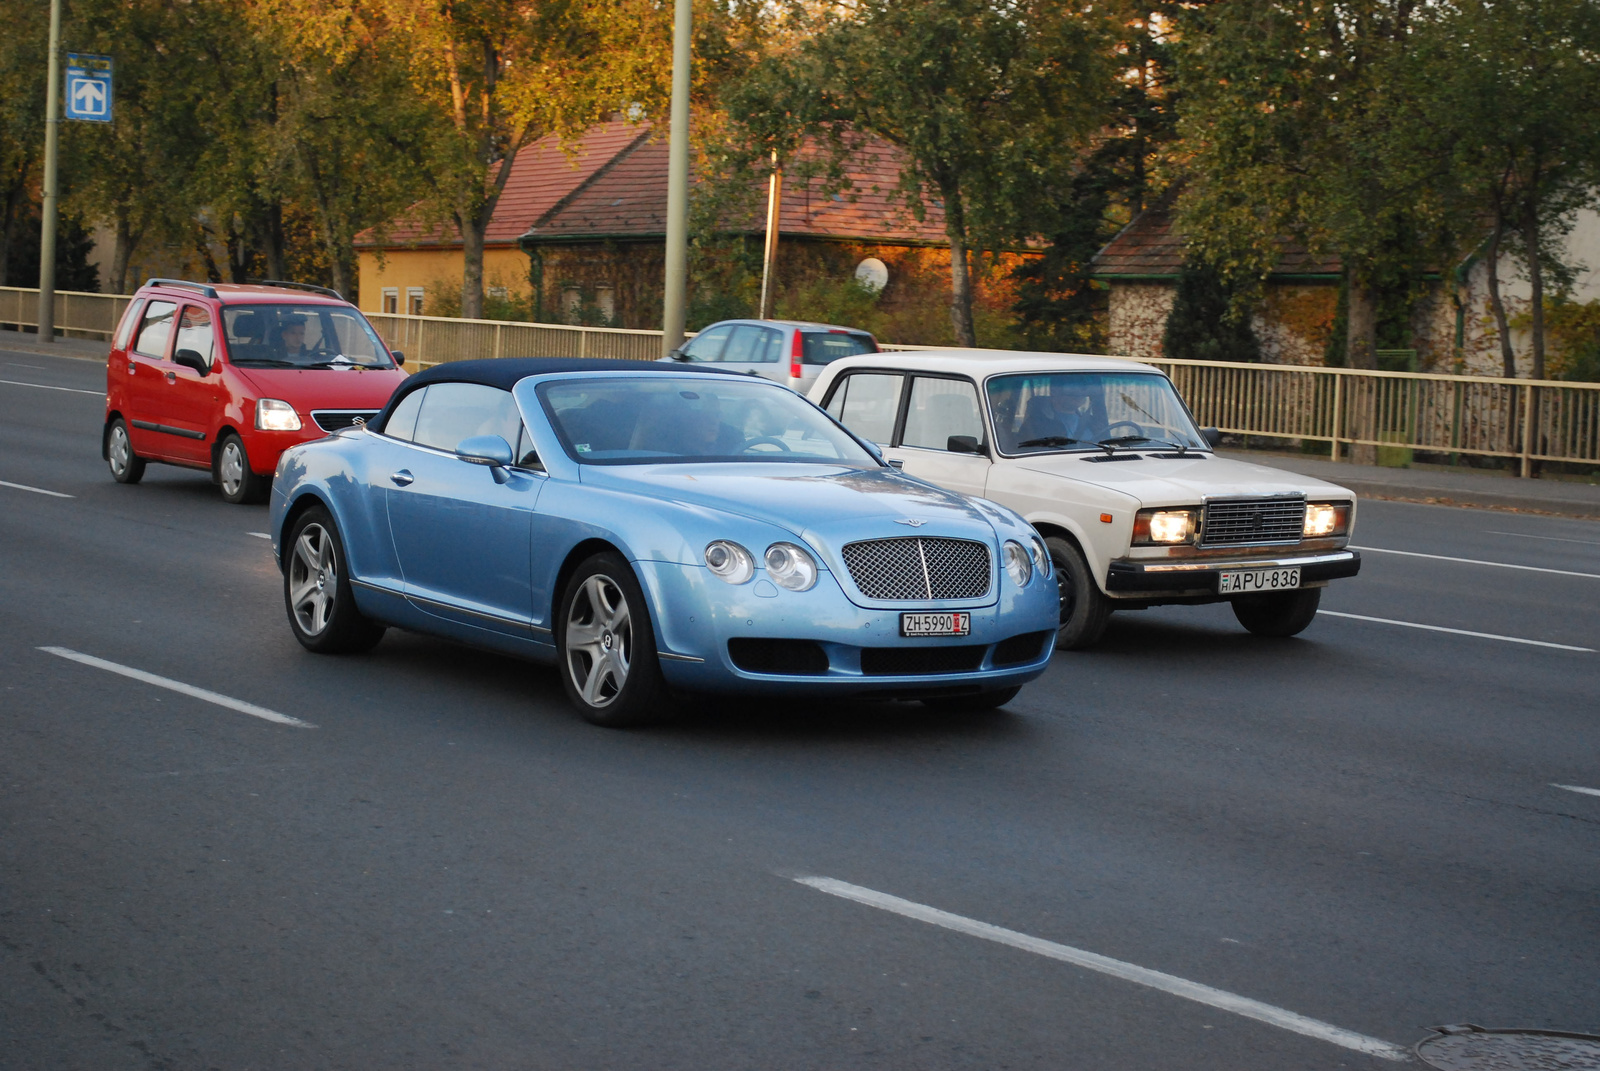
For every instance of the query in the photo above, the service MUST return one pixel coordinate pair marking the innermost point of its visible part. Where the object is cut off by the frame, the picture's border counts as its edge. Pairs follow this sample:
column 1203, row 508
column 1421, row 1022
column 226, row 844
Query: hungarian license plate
column 1249, row 581
column 957, row 623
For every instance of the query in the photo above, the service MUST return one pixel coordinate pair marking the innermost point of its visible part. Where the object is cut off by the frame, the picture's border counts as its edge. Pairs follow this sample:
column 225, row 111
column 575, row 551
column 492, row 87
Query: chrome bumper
column 1136, row 579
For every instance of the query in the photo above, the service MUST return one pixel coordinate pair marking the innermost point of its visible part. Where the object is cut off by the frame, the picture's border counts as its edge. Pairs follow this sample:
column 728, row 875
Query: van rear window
column 825, row 347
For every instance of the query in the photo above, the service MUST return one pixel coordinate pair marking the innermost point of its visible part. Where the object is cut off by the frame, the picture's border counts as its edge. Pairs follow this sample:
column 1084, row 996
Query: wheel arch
column 581, row 552
column 224, row 430
column 304, row 501
column 105, row 433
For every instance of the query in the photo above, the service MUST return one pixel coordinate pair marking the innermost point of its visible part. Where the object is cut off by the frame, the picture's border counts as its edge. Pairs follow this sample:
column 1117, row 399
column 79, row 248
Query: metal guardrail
column 1480, row 416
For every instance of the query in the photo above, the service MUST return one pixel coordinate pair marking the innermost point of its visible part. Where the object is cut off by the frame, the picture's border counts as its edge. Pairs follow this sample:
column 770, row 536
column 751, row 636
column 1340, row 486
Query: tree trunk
column 121, row 252
column 1508, row 358
column 1530, row 238
column 473, row 229
column 1361, row 351
column 272, row 243
column 955, row 227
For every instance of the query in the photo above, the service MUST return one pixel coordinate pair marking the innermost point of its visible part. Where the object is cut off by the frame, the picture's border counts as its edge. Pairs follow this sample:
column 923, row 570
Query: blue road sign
column 88, row 87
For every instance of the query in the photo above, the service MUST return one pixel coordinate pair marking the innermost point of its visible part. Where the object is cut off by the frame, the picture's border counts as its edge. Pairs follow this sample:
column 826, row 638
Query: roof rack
column 184, row 284
column 303, row 286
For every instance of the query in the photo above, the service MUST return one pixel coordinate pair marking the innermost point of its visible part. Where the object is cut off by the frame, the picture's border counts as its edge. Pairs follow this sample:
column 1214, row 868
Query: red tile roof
column 1149, row 246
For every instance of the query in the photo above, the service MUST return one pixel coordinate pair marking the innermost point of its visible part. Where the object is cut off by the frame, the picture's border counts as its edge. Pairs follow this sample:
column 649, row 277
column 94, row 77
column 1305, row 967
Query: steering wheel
column 1137, row 429
column 765, row 440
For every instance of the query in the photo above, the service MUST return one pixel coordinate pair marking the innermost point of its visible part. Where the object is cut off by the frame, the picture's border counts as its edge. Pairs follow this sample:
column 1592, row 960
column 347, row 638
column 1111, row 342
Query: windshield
column 692, row 418
column 1041, row 412
column 302, row 336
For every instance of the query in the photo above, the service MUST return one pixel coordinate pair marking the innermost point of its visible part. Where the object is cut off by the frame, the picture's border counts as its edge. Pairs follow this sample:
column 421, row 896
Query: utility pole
column 676, row 289
column 47, row 223
column 769, row 257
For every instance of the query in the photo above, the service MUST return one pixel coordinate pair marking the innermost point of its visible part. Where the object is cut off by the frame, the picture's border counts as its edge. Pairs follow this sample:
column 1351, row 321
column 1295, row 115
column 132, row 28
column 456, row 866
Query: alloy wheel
column 313, row 579
column 599, row 640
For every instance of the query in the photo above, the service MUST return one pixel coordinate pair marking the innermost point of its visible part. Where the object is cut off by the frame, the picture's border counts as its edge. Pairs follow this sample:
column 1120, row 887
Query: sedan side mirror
column 399, row 358
column 679, row 355
column 490, row 450
column 963, row 444
column 1212, row 436
column 192, row 359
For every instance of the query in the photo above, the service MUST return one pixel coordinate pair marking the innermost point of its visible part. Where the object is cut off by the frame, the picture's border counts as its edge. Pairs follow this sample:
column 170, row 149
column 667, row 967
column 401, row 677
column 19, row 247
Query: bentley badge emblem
column 912, row 521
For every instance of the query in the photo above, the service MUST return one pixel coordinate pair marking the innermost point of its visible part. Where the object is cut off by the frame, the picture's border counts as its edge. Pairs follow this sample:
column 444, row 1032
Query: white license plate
column 958, row 623
column 1254, row 580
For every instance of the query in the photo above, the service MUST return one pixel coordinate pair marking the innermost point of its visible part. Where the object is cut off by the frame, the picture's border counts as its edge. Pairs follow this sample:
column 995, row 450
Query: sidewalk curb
column 56, row 349
column 1433, row 496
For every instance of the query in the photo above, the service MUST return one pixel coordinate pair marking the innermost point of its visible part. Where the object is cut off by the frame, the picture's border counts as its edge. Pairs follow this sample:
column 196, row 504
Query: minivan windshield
column 655, row 419
column 1040, row 412
column 302, row 336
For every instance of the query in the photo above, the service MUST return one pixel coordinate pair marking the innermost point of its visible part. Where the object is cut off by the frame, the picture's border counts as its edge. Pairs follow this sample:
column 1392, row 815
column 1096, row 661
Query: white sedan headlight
column 1327, row 519
column 791, row 567
column 1018, row 565
column 275, row 415
column 729, row 561
column 1165, row 526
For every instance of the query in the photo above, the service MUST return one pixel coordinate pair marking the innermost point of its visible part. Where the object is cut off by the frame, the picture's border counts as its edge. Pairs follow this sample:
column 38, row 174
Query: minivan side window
column 156, row 330
column 941, row 408
column 867, row 403
column 194, row 332
column 707, row 346
column 130, row 320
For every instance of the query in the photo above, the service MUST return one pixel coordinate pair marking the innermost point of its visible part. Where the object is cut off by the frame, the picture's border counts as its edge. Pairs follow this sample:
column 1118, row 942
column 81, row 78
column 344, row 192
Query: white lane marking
column 259, row 535
column 1578, row 788
column 1475, row 561
column 178, row 686
column 46, row 386
column 1128, row 972
column 35, row 490
column 1457, row 631
column 1551, row 539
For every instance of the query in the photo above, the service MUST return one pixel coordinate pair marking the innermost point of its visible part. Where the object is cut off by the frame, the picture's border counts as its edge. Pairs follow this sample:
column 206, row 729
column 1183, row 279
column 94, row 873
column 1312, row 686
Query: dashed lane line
column 178, row 686
column 1548, row 539
column 46, row 386
column 35, row 490
column 1476, row 561
column 1456, row 631
column 1128, row 972
column 1578, row 789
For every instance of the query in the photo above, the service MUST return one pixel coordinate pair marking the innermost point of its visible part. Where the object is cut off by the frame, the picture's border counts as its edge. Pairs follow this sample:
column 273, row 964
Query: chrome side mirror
column 489, row 450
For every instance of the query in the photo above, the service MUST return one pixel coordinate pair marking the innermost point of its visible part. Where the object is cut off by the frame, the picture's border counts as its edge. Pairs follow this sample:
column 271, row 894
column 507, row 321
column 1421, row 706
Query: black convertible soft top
column 506, row 372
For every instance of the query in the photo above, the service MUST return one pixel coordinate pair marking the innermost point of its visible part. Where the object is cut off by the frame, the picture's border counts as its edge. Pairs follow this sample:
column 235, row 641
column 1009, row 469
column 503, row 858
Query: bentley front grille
column 1232, row 522
column 919, row 568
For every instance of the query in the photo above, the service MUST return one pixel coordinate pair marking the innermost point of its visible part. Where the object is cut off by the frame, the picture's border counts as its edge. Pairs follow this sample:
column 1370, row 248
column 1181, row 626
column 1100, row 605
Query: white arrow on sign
column 89, row 96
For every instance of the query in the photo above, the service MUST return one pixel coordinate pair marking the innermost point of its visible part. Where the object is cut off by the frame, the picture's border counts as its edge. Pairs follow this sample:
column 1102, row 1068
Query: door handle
column 131, row 367
column 403, row 478
column 172, row 377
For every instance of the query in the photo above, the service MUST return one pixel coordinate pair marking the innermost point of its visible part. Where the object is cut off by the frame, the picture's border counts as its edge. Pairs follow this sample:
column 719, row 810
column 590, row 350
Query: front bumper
column 702, row 614
column 1141, row 580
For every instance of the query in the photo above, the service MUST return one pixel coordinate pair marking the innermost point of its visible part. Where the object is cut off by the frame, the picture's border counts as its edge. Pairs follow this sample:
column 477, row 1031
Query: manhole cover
column 1473, row 1048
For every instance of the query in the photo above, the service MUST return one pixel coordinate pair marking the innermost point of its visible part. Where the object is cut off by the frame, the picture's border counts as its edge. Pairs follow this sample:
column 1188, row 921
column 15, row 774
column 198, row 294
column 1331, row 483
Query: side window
column 456, row 411
column 939, row 409
column 771, row 349
column 194, row 332
column 524, row 453
column 130, row 320
column 403, row 421
column 867, row 403
column 707, row 345
column 744, row 345
column 156, row 330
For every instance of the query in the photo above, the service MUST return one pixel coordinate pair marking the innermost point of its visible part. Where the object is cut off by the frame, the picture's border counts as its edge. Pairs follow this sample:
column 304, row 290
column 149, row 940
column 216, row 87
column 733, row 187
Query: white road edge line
column 1128, row 972
column 35, row 490
column 1577, row 788
column 178, row 686
column 259, row 535
column 1458, row 631
column 1548, row 539
column 1475, row 561
column 46, row 386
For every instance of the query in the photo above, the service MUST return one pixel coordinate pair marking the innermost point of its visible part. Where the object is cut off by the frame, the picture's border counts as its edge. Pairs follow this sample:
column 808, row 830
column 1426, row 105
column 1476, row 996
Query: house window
column 414, row 301
column 499, row 293
column 390, row 302
column 605, row 299
column 572, row 303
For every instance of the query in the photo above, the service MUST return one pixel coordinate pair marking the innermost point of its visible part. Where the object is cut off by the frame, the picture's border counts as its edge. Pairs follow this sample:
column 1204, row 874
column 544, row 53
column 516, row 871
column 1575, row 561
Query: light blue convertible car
column 656, row 531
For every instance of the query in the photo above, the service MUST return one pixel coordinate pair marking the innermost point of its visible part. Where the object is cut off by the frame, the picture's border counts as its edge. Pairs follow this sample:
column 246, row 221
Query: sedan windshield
column 1053, row 411
column 302, row 336
column 653, row 419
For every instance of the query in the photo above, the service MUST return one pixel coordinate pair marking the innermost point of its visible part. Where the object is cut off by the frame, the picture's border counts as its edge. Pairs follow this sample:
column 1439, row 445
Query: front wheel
column 126, row 466
column 316, row 589
column 239, row 485
column 608, row 652
column 1283, row 613
column 1084, row 607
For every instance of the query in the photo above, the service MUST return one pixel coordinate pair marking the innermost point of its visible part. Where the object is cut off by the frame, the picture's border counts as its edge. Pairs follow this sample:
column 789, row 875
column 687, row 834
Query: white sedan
column 1103, row 457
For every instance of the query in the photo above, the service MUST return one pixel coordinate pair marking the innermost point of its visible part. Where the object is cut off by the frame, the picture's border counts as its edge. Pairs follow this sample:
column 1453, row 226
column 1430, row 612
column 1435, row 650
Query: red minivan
column 227, row 377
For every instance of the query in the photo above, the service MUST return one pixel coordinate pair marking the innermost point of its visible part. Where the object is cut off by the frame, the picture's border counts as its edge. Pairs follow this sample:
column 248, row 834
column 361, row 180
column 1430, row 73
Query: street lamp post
column 675, row 290
column 47, row 223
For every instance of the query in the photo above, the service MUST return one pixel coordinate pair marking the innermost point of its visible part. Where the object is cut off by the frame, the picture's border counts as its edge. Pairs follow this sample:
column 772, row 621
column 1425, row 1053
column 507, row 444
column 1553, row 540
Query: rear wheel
column 126, row 466
column 1084, row 608
column 1284, row 613
column 974, row 703
column 316, row 589
column 608, row 652
column 239, row 485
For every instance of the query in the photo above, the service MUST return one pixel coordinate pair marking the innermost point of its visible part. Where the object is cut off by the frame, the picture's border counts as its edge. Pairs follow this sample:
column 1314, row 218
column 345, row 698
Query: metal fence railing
column 1480, row 416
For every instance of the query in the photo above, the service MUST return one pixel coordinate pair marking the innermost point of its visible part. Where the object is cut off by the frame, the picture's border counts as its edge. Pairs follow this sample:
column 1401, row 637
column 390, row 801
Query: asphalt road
column 450, row 870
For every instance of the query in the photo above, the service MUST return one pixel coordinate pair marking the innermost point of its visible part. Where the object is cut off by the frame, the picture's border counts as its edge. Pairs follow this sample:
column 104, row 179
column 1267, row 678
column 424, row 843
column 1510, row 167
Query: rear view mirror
column 192, row 359
column 963, row 444
column 1212, row 436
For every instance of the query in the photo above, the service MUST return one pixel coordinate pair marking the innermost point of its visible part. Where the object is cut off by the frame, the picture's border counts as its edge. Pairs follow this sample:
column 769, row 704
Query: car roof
column 242, row 293
column 793, row 323
column 988, row 362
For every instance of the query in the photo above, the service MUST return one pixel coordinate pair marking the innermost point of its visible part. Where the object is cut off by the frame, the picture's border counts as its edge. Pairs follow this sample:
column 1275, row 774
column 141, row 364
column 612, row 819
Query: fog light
column 729, row 561
column 791, row 567
column 275, row 415
column 1326, row 518
column 1018, row 566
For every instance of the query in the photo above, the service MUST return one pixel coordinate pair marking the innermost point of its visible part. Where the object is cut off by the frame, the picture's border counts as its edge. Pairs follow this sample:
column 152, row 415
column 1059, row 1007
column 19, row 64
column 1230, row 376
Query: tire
column 1084, row 607
column 1281, row 614
column 316, row 589
column 239, row 485
column 126, row 466
column 606, row 648
column 972, row 703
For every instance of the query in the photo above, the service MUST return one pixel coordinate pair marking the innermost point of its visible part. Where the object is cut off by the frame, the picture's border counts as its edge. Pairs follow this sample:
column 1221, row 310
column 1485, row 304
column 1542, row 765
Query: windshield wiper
column 267, row 360
column 1052, row 440
column 1129, row 440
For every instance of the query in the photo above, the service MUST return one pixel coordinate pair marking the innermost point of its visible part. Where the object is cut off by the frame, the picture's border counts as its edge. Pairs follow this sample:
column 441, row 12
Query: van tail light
column 796, row 351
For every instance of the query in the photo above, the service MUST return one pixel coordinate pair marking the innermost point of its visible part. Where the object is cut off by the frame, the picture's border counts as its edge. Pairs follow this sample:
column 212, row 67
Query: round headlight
column 729, row 561
column 1018, row 566
column 1041, row 556
column 791, row 567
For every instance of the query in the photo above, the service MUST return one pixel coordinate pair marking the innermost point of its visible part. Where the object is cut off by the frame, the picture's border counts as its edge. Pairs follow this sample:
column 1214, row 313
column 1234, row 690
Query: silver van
column 786, row 351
